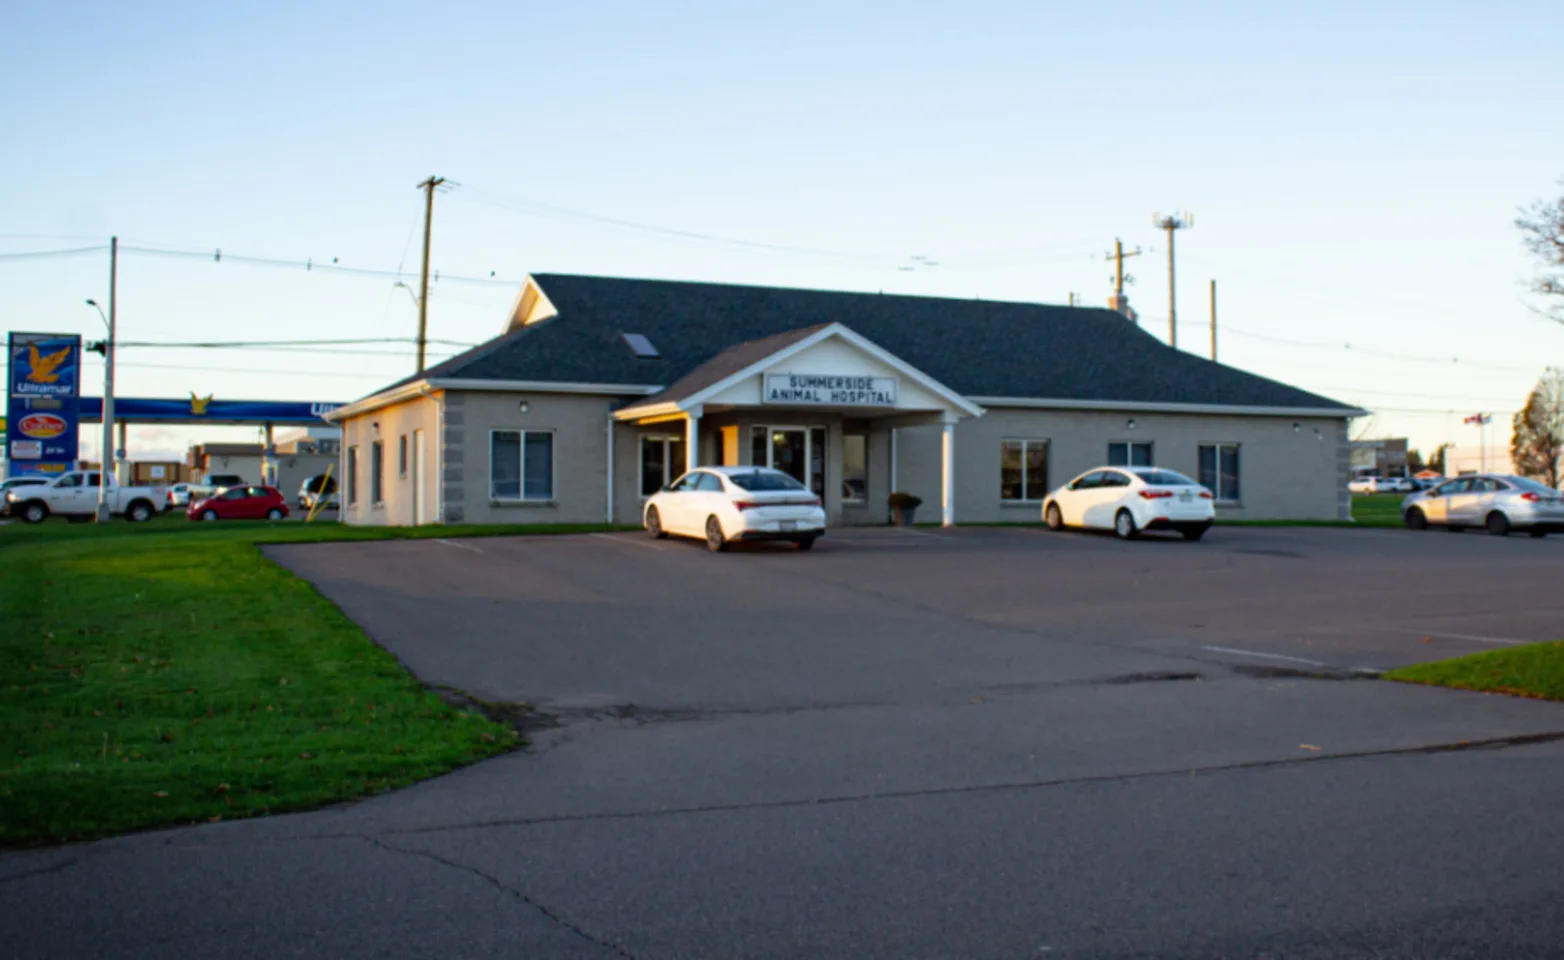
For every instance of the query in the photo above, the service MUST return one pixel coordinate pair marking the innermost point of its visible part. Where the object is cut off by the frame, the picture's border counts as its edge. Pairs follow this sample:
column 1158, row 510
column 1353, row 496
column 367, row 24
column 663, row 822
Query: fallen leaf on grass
column 161, row 793
column 306, row 756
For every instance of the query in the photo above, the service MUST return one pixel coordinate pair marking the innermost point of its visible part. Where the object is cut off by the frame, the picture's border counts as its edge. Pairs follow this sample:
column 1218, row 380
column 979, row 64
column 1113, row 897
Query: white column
column 692, row 440
column 947, row 493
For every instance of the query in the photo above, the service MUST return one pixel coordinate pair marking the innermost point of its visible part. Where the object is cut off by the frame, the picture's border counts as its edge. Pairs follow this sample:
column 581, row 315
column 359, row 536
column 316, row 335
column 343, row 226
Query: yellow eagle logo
column 198, row 404
column 42, row 369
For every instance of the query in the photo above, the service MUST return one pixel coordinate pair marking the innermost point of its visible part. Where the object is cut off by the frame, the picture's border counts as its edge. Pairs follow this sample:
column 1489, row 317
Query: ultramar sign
column 824, row 389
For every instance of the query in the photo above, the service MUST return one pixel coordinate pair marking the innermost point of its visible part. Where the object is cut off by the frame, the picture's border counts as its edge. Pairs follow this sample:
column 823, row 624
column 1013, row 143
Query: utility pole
column 1213, row 321
column 1175, row 222
column 423, row 284
column 1119, row 301
column 107, row 459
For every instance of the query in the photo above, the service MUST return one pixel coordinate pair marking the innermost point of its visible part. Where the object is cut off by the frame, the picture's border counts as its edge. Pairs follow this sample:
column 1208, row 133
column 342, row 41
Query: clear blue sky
column 1354, row 170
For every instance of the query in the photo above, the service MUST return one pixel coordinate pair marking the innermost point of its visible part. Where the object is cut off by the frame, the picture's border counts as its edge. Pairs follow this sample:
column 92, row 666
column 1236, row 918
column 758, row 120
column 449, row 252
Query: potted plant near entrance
column 903, row 506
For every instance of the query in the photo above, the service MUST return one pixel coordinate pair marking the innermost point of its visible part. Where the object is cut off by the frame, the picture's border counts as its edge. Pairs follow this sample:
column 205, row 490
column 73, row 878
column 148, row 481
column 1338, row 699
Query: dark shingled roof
column 728, row 362
column 975, row 347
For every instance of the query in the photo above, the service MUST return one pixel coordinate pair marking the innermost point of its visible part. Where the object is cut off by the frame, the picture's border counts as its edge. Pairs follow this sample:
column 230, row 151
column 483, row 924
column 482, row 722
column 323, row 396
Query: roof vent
column 641, row 346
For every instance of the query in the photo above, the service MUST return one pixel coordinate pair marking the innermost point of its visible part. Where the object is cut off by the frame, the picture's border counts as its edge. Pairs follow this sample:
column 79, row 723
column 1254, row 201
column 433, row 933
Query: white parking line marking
column 1466, row 636
column 1266, row 656
column 617, row 539
column 459, row 546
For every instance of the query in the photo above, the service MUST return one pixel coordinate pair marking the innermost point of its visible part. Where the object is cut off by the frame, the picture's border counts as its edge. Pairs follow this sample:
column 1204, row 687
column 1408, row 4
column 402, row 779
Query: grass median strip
column 155, row 680
column 1535, row 670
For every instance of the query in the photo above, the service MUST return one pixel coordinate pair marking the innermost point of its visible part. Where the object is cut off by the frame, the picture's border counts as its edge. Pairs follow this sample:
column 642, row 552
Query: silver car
column 1497, row 501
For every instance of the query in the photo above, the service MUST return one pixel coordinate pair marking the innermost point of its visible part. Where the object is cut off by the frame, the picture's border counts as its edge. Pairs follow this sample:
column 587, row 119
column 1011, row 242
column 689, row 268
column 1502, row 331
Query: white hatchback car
column 724, row 504
column 1129, row 500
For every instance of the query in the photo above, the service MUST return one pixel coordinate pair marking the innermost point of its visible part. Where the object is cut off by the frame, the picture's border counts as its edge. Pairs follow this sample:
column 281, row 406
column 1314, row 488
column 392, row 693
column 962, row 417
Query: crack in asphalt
column 52, row 868
column 1521, row 740
column 545, row 911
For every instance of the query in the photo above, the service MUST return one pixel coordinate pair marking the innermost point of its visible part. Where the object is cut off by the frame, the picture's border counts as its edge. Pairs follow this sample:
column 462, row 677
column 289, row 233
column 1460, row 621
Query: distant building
column 1379, row 458
column 1475, row 459
column 205, row 459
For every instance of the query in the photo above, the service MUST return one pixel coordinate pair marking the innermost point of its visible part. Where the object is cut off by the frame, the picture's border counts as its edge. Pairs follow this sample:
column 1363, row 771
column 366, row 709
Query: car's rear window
column 764, row 480
column 1164, row 478
column 1531, row 486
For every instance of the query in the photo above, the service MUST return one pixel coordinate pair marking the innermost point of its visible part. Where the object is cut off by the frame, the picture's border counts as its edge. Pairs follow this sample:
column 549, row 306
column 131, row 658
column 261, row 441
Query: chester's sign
column 830, row 390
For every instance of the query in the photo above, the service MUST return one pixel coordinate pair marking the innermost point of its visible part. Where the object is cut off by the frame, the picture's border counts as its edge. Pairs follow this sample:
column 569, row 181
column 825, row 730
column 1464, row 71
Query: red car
column 240, row 503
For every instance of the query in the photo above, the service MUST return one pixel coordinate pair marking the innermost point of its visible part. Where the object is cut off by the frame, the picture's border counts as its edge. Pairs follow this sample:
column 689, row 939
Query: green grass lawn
column 165, row 673
column 1536, row 670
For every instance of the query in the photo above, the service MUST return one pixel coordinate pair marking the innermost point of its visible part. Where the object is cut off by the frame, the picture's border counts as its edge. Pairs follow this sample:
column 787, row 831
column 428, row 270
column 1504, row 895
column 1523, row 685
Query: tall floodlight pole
column 1172, row 224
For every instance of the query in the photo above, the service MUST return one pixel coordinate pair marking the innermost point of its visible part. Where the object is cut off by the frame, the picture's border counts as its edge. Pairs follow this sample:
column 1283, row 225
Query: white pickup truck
column 75, row 496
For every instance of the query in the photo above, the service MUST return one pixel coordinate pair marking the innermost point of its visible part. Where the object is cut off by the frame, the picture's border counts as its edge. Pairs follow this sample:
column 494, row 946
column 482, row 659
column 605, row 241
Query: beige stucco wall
column 397, row 489
column 1283, row 473
column 579, row 423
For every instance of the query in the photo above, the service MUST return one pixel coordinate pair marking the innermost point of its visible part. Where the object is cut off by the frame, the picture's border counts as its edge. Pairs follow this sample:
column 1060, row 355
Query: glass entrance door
column 798, row 452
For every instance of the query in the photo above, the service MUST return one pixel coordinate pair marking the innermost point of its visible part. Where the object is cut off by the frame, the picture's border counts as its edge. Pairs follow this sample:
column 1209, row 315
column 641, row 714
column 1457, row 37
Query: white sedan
column 1128, row 500
column 724, row 504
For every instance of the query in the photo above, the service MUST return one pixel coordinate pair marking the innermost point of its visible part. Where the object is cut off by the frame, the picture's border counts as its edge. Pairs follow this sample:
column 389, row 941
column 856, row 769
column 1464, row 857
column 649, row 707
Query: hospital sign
column 835, row 390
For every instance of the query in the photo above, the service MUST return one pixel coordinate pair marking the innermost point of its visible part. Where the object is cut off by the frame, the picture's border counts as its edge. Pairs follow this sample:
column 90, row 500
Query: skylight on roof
column 641, row 346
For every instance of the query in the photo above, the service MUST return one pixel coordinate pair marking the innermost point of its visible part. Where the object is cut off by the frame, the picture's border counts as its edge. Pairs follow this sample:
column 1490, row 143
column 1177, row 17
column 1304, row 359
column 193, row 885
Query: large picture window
column 1023, row 470
column 376, row 465
column 1128, row 453
column 662, row 461
column 521, row 465
column 1219, row 470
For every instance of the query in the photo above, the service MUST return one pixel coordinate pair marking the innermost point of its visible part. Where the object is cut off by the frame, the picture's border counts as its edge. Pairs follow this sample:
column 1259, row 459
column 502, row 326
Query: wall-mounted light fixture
column 1129, row 424
column 375, row 424
column 523, row 406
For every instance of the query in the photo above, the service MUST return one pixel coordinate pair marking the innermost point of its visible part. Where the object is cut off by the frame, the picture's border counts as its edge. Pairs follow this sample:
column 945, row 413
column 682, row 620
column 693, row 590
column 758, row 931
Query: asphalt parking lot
column 969, row 743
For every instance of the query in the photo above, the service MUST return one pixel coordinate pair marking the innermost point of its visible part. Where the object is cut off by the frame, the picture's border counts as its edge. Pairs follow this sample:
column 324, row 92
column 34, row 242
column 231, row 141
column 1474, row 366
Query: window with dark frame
column 855, row 468
column 1023, row 470
column 1129, row 453
column 1219, row 470
column 521, row 465
column 352, row 472
column 401, row 455
column 376, row 468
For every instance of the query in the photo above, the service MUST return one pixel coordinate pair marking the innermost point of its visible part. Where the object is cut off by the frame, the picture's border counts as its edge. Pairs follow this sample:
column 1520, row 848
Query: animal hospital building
column 600, row 391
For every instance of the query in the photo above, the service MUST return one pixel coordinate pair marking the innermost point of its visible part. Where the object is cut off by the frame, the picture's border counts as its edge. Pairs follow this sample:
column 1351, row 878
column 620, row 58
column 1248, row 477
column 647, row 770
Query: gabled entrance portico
column 821, row 403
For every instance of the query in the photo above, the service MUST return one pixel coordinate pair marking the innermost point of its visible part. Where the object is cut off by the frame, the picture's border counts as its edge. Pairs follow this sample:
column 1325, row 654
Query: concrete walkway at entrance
column 969, row 742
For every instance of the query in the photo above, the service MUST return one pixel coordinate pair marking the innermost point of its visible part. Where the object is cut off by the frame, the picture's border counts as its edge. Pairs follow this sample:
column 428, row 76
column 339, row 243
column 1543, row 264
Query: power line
column 219, row 344
column 514, row 204
column 217, row 255
column 46, row 254
column 1378, row 354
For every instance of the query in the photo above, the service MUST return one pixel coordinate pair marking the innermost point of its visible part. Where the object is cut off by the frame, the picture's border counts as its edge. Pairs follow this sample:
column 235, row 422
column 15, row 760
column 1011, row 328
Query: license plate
column 787, row 524
column 1185, row 497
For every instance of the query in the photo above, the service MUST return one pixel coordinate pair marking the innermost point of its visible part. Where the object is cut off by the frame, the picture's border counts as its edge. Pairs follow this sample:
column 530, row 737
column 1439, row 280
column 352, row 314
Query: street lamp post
column 107, row 458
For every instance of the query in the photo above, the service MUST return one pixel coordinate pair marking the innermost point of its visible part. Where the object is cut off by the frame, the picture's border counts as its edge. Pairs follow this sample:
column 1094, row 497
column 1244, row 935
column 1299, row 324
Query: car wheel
column 274, row 514
column 1194, row 532
column 1053, row 517
column 715, row 541
column 806, row 543
column 139, row 512
column 654, row 524
column 1416, row 520
column 1498, row 524
column 1124, row 526
column 35, row 513
column 208, row 515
